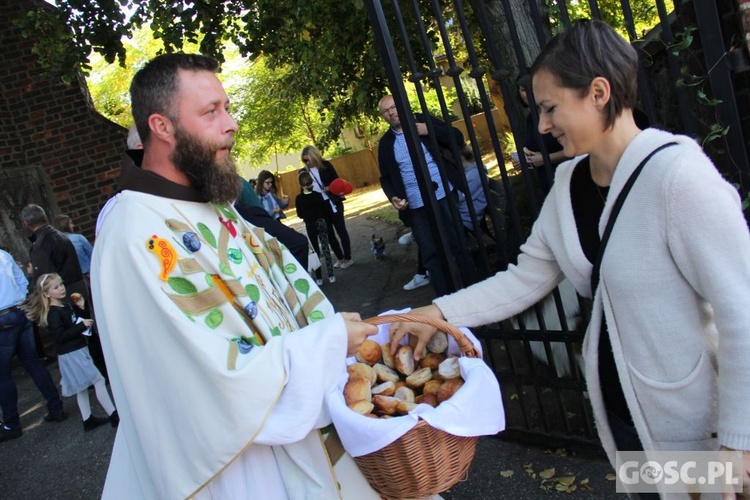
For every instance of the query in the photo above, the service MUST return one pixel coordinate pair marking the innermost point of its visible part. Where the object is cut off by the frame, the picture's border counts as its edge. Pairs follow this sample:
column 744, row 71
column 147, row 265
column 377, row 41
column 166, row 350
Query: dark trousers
column 17, row 337
column 317, row 233
column 339, row 223
column 428, row 250
column 626, row 439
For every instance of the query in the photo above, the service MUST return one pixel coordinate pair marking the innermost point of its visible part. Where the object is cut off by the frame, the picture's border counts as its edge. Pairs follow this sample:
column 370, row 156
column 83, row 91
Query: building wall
column 55, row 149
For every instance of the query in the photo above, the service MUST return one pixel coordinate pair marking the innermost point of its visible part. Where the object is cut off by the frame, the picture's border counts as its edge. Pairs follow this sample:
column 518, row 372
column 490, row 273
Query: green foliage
column 321, row 54
column 645, row 15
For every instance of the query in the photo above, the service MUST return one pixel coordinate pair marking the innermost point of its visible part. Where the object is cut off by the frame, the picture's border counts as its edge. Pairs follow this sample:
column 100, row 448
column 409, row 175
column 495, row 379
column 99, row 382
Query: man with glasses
column 398, row 179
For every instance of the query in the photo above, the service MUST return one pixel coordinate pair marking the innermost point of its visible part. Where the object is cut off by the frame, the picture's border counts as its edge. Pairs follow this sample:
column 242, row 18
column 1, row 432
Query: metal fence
column 535, row 354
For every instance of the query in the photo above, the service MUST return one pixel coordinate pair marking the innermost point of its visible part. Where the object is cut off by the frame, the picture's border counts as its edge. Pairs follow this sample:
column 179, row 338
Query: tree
column 322, row 50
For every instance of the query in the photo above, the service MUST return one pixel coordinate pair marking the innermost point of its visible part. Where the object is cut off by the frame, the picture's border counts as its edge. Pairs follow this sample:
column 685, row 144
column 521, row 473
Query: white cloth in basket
column 475, row 410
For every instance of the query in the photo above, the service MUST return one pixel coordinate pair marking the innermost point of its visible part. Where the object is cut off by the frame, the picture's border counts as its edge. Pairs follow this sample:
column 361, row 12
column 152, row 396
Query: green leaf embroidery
column 225, row 269
column 234, row 255
column 316, row 316
column 214, row 318
column 209, row 280
column 226, row 212
column 182, row 286
column 302, row 286
column 207, row 234
column 250, row 340
column 253, row 292
column 290, row 268
column 276, row 331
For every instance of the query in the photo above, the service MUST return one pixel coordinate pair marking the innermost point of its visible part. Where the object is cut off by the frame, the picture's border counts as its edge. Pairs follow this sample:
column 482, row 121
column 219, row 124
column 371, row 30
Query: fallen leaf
column 507, row 473
column 567, row 480
column 610, row 477
column 548, row 473
column 513, row 396
column 584, row 481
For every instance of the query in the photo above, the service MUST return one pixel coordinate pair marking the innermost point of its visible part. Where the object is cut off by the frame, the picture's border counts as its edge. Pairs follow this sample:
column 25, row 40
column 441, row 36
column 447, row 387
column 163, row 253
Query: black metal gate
column 535, row 354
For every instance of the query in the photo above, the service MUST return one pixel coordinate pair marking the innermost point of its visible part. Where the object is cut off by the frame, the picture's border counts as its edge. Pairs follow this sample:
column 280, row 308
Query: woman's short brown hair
column 589, row 49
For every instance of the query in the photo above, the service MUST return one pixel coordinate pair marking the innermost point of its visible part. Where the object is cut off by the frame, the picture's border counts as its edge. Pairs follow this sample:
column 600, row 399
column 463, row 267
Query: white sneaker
column 332, row 279
column 406, row 239
column 337, row 264
column 346, row 263
column 418, row 281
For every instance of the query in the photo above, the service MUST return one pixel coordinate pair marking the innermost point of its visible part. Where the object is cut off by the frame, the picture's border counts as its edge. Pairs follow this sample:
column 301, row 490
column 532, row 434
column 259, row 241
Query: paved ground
column 60, row 461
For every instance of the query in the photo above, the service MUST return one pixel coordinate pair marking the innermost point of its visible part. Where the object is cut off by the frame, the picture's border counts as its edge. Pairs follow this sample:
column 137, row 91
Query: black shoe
column 56, row 417
column 93, row 422
column 114, row 419
column 6, row 433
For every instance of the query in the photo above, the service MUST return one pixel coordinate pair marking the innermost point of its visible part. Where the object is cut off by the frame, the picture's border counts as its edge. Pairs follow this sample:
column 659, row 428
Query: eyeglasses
column 387, row 111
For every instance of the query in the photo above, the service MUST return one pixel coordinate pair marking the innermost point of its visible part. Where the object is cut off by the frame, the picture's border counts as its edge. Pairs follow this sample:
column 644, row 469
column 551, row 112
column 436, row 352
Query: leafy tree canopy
column 317, row 58
column 320, row 51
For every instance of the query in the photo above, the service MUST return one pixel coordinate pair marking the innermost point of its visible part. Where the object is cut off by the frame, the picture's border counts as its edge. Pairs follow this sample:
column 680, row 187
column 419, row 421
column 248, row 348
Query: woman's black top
column 588, row 204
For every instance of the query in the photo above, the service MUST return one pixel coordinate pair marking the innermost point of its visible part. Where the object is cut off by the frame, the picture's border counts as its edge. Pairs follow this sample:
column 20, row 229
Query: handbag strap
column 615, row 212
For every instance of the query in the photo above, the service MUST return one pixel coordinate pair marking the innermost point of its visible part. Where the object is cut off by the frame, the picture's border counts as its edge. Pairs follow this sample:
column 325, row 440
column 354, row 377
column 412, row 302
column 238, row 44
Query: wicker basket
column 425, row 461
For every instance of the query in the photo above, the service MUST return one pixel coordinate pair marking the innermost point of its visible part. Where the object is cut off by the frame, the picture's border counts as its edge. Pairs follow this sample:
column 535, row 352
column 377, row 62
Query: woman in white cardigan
column 672, row 306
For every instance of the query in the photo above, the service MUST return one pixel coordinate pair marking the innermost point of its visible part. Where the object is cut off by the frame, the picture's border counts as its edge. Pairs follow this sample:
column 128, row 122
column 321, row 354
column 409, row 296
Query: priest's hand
column 423, row 332
column 357, row 331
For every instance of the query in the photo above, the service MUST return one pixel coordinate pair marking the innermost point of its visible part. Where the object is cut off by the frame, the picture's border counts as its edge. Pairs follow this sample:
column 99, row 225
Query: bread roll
column 427, row 398
column 362, row 370
column 419, row 378
column 385, row 374
column 438, row 343
column 404, row 361
column 362, row 407
column 357, row 389
column 404, row 394
column 449, row 368
column 384, row 389
column 369, row 352
column 449, row 388
column 387, row 357
column 432, row 360
column 404, row 407
column 432, row 386
column 385, row 405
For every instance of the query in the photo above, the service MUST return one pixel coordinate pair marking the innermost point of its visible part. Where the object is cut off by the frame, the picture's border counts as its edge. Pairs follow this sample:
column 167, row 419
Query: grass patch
column 387, row 214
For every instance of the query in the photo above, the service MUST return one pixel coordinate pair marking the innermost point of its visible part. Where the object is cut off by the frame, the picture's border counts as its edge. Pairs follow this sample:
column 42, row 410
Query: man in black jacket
column 399, row 182
column 52, row 252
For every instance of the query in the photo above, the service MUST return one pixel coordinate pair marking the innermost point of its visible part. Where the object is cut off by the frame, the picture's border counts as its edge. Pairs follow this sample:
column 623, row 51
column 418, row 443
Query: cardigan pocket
column 683, row 410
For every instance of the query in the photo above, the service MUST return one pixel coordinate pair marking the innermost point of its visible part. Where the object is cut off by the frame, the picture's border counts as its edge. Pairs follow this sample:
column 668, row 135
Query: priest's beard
column 217, row 180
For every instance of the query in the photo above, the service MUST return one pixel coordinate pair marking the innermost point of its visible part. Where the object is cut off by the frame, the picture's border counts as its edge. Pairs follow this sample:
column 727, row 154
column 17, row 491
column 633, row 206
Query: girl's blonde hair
column 37, row 304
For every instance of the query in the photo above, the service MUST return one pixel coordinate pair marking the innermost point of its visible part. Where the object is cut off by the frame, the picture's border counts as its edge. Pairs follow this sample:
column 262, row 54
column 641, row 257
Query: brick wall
column 51, row 129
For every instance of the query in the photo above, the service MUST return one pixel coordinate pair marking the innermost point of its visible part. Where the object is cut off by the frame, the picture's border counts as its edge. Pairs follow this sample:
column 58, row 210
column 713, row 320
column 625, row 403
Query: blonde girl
column 47, row 307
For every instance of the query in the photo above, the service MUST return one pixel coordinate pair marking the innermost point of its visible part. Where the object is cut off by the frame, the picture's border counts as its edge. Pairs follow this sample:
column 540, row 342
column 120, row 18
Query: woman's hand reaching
column 423, row 332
